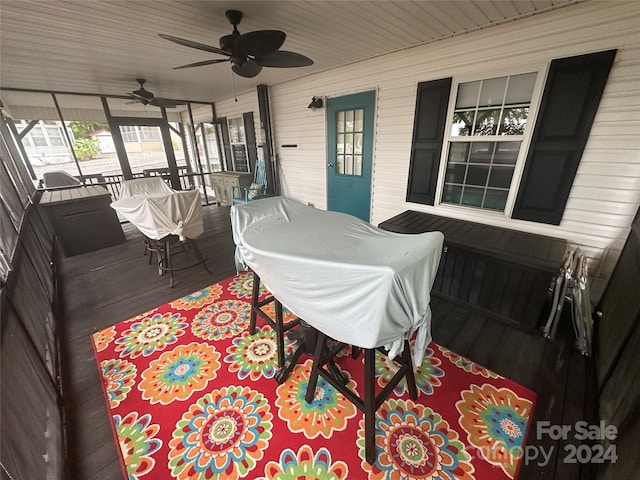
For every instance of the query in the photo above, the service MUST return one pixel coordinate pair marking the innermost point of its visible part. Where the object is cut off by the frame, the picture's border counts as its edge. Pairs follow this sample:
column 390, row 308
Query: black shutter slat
column 250, row 139
column 567, row 110
column 428, row 136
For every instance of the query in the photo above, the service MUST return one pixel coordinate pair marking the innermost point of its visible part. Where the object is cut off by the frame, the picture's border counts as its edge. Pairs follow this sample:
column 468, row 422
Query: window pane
column 340, row 122
column 455, row 173
column 452, row 194
column 236, row 130
column 240, row 163
column 514, row 120
column 348, row 164
column 481, row 152
column 458, row 152
column 357, row 165
column 55, row 137
column 348, row 121
column 486, row 121
column 477, row 175
column 520, row 88
column 467, row 94
column 340, row 143
column 506, row 153
column 492, row 92
column 359, row 120
column 357, row 143
column 37, row 136
column 340, row 164
column 462, row 123
column 348, row 143
column 500, row 177
column 472, row 196
column 495, row 199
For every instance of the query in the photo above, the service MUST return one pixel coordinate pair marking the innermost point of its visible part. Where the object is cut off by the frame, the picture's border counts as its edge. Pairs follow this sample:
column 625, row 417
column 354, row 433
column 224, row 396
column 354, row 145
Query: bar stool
column 324, row 367
column 165, row 263
column 279, row 327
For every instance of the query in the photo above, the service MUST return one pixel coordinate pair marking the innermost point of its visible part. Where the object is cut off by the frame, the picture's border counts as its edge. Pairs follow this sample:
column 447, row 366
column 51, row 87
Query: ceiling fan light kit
column 248, row 53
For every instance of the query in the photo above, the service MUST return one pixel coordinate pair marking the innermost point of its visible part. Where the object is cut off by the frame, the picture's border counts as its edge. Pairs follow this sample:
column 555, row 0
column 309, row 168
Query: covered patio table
column 354, row 282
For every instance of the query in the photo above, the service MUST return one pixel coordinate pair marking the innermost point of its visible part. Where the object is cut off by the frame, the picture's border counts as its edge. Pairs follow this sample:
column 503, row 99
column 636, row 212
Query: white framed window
column 238, row 144
column 487, row 125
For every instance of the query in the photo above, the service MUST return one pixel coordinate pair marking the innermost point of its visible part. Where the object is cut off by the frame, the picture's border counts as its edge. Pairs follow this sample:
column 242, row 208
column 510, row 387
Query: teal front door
column 350, row 121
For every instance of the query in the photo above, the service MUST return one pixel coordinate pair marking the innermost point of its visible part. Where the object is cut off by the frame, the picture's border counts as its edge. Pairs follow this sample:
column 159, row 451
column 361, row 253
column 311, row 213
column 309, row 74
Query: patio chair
column 257, row 189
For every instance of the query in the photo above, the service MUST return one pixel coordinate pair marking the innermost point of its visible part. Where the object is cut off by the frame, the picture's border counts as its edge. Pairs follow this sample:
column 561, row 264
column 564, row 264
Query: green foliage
column 86, row 148
column 83, row 129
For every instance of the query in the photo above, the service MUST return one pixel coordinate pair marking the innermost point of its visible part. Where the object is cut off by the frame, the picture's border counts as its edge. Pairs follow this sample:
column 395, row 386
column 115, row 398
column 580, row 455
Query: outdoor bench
column 503, row 273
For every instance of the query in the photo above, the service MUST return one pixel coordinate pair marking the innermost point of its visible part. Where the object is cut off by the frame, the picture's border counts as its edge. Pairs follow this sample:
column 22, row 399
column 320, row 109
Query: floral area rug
column 192, row 395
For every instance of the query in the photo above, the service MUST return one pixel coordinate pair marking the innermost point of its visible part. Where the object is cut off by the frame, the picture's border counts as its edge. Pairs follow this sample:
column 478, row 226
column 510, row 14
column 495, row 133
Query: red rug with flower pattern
column 192, row 395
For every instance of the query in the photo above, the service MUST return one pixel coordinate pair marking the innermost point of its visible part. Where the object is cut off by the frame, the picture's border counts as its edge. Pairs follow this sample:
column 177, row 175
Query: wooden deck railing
column 112, row 182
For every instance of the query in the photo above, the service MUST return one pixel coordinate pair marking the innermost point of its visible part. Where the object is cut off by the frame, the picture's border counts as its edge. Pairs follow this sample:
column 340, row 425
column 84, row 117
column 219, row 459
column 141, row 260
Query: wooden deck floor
column 101, row 288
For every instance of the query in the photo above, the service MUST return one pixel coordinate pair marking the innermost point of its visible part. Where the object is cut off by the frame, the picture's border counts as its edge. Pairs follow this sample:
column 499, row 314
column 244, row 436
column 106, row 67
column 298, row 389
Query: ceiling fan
column 247, row 52
column 145, row 97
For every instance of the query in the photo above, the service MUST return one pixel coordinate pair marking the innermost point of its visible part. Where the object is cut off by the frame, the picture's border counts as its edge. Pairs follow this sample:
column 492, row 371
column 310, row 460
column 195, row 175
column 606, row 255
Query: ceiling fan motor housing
column 227, row 42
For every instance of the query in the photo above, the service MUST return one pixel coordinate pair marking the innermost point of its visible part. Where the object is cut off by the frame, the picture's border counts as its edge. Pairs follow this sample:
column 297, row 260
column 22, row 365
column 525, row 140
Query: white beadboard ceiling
column 101, row 47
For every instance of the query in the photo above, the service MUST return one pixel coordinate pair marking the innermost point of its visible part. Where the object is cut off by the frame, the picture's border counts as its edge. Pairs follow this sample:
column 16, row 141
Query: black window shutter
column 226, row 143
column 250, row 139
column 569, row 104
column 428, row 136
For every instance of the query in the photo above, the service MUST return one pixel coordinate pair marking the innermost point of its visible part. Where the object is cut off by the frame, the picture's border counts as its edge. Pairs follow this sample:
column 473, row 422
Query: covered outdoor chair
column 257, row 189
column 163, row 216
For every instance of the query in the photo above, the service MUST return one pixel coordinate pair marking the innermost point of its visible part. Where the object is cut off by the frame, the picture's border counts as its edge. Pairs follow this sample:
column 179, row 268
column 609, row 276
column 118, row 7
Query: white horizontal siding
column 606, row 191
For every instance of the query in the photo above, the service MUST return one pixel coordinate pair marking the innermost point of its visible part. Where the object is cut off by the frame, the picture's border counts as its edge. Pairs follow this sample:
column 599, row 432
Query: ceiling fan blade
column 284, row 59
column 200, row 64
column 166, row 102
column 249, row 69
column 192, row 44
column 142, row 93
column 140, row 98
column 260, row 42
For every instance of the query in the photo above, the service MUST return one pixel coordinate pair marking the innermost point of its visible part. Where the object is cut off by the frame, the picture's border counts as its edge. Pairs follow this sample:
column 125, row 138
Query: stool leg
column 369, row 405
column 196, row 252
column 410, row 375
column 321, row 343
column 280, row 333
column 167, row 255
column 255, row 294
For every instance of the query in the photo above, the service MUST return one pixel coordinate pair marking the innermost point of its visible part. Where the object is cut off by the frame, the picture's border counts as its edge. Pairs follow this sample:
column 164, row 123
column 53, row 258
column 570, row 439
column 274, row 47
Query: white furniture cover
column 354, row 282
column 144, row 187
column 161, row 212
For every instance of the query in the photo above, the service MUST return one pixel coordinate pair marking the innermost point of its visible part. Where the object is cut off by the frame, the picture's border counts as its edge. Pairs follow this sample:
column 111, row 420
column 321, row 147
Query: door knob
column 329, row 164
